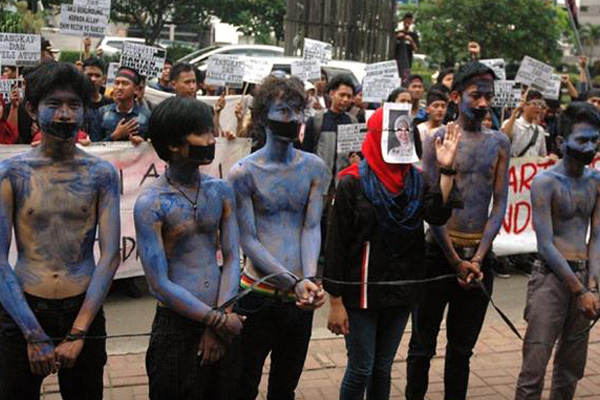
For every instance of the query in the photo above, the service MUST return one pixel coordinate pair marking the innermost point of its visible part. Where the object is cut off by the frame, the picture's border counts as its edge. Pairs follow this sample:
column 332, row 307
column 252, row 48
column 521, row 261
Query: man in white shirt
column 528, row 137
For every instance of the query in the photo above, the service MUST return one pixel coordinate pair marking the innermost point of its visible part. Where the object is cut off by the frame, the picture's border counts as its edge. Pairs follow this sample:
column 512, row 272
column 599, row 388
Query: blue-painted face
column 582, row 144
column 61, row 114
column 476, row 99
column 284, row 119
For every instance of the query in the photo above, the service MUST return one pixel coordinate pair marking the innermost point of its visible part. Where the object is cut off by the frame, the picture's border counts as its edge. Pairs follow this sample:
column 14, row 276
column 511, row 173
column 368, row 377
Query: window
column 583, row 9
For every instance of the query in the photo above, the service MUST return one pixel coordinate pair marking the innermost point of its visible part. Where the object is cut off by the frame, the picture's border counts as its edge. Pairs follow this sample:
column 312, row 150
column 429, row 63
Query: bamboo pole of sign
column 503, row 115
column 81, row 49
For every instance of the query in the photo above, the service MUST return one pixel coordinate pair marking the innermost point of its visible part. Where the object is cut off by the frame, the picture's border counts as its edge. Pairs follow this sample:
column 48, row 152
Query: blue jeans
column 372, row 344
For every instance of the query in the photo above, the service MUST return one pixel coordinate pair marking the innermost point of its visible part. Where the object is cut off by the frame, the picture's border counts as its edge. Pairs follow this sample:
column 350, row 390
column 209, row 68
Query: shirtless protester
column 563, row 289
column 56, row 196
column 179, row 220
column 279, row 199
column 463, row 245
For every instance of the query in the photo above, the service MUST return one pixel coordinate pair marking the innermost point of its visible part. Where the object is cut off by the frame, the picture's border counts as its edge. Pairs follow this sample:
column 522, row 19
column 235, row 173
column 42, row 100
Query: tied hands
column 45, row 359
column 468, row 272
column 588, row 303
column 310, row 296
column 221, row 328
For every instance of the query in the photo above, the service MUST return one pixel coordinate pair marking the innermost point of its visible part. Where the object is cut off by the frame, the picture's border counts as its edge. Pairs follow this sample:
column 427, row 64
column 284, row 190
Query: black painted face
column 284, row 120
column 582, row 143
column 476, row 99
column 61, row 114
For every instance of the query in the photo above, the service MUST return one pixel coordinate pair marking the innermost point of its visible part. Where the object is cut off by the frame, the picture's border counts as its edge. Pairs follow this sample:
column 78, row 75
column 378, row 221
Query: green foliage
column 69, row 56
column 176, row 52
column 508, row 29
column 21, row 21
column 590, row 38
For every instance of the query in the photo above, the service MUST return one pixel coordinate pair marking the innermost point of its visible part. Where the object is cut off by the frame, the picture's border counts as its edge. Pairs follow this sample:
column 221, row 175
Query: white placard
column 350, row 138
column 507, row 94
column 498, row 65
column 18, row 49
column 385, row 68
column 256, row 69
column 111, row 73
column 397, row 139
column 552, row 91
column 316, row 50
column 6, row 86
column 534, row 73
column 103, row 4
column 307, row 70
column 378, row 88
column 225, row 70
column 146, row 60
column 83, row 21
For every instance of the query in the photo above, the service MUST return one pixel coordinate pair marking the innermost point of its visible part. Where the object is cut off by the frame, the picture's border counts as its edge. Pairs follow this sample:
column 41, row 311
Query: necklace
column 193, row 203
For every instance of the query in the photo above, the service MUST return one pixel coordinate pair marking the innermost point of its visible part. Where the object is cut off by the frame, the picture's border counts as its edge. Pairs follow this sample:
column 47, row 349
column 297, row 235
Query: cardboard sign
column 256, row 69
column 83, row 21
column 316, row 50
column 6, row 86
column 507, row 94
column 498, row 65
column 397, row 139
column 111, row 73
column 350, row 138
column 225, row 70
column 103, row 4
column 385, row 68
column 378, row 88
column 534, row 73
column 18, row 49
column 307, row 70
column 146, row 60
column 552, row 91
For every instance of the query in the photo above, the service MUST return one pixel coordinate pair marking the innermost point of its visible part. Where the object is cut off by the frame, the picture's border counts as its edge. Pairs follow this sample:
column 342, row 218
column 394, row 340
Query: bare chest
column 286, row 192
column 573, row 200
column 184, row 218
column 477, row 160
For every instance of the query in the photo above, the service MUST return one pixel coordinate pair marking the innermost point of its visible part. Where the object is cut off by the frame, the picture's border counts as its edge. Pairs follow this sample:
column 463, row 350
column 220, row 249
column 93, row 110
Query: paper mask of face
column 289, row 130
column 61, row 130
column 202, row 154
column 584, row 157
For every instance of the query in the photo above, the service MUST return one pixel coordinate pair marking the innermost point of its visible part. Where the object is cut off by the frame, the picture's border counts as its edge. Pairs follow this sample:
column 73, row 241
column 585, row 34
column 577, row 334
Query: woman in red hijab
column 376, row 234
column 8, row 133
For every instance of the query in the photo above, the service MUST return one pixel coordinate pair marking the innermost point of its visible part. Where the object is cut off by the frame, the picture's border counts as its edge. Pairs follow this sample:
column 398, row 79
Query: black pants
column 83, row 381
column 277, row 327
column 173, row 365
column 466, row 313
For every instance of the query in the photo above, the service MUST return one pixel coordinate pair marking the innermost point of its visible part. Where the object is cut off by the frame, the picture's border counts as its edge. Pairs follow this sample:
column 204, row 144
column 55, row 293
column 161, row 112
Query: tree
column 508, row 29
column 258, row 18
column 21, row 20
column 590, row 36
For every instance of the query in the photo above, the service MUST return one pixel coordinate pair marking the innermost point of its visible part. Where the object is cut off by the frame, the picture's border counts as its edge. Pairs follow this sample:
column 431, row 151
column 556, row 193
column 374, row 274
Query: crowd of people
column 308, row 221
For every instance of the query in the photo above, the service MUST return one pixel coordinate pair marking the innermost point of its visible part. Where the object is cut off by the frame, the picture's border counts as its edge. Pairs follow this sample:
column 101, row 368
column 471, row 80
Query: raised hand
column 446, row 148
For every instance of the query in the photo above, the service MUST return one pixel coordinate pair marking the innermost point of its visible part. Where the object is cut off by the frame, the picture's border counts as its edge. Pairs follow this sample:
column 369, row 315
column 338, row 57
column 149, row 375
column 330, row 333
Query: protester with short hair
column 445, row 77
column 563, row 289
column 183, row 80
column 56, row 197
column 279, row 193
column 400, row 95
column 437, row 103
column 358, row 107
column 528, row 137
column 463, row 245
column 94, row 69
column 125, row 119
column 593, row 97
column 416, row 87
column 180, row 219
column 376, row 225
column 164, row 82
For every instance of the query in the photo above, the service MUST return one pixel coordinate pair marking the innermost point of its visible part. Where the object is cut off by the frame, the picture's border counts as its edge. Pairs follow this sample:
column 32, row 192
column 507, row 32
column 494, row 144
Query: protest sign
column 225, row 70
column 6, row 86
column 139, row 167
column 552, row 91
column 256, row 69
column 498, row 65
column 350, row 137
column 385, row 68
column 397, row 140
column 146, row 60
column 111, row 74
column 378, row 88
column 507, row 94
column 103, row 4
column 306, row 70
column 534, row 73
column 18, row 49
column 83, row 21
column 315, row 50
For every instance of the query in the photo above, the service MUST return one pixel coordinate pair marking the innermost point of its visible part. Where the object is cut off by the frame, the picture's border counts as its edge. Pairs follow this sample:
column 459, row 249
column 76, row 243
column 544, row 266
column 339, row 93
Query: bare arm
column 230, row 246
column 500, row 200
column 594, row 243
column 510, row 124
column 311, row 231
column 261, row 257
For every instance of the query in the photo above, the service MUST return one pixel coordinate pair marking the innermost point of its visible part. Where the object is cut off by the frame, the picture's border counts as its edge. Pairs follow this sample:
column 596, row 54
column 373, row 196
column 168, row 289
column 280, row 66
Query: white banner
column 316, row 50
column 225, row 70
column 516, row 235
column 498, row 65
column 20, row 49
column 83, row 21
column 385, row 68
column 306, row 70
column 146, row 60
column 104, row 4
column 506, row 94
column 350, row 138
column 377, row 88
column 6, row 86
column 534, row 73
column 256, row 69
column 552, row 91
column 138, row 167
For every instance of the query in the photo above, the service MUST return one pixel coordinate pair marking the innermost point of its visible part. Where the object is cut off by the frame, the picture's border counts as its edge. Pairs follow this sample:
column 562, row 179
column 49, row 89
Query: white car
column 200, row 57
column 112, row 45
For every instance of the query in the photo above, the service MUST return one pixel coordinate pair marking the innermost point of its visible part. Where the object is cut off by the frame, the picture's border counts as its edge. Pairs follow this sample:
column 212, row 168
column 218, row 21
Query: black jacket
column 359, row 250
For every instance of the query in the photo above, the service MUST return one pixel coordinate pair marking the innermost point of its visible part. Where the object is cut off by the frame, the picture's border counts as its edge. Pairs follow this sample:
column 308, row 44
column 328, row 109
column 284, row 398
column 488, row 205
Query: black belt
column 42, row 304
